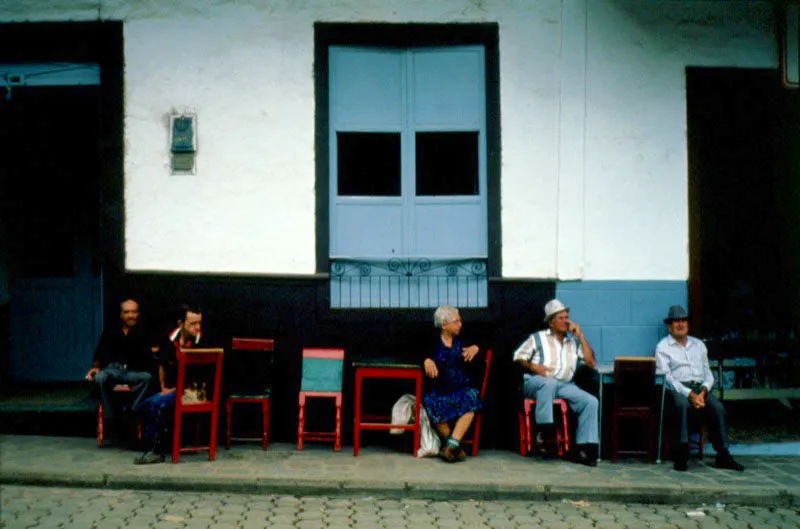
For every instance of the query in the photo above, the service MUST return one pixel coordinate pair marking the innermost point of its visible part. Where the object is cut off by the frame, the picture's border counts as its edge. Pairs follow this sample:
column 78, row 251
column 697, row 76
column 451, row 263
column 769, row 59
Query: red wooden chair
column 321, row 378
column 259, row 395
column 197, row 357
column 119, row 388
column 476, row 424
column 562, row 432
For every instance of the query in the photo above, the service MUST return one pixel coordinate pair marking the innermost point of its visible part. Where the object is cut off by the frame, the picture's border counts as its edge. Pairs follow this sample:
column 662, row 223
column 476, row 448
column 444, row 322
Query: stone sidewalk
column 383, row 473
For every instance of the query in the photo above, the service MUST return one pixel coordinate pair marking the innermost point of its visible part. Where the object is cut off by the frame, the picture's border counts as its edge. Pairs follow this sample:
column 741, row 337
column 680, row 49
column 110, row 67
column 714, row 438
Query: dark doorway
column 61, row 214
column 744, row 200
column 50, row 187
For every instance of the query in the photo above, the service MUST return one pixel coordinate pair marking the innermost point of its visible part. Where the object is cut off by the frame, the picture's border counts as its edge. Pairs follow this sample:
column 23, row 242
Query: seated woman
column 448, row 397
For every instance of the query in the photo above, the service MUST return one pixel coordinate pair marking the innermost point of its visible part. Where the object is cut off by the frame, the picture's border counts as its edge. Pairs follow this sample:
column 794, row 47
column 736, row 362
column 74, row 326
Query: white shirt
column 544, row 349
column 683, row 364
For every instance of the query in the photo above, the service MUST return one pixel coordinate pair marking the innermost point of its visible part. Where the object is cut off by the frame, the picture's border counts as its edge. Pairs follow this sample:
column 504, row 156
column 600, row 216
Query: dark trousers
column 713, row 415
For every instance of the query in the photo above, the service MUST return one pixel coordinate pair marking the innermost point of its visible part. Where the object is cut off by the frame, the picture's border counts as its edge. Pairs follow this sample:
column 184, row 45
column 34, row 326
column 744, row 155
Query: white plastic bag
column 403, row 413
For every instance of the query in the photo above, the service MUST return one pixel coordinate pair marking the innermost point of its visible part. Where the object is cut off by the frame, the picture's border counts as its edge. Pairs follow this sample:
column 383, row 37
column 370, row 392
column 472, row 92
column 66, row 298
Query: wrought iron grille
column 408, row 283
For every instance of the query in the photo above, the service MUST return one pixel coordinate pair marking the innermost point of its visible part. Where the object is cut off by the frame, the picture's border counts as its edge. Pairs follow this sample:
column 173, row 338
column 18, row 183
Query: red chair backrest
column 253, row 344
column 486, row 372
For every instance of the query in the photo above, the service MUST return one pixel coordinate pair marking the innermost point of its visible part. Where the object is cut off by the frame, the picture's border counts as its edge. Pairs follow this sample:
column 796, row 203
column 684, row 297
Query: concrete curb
column 669, row 494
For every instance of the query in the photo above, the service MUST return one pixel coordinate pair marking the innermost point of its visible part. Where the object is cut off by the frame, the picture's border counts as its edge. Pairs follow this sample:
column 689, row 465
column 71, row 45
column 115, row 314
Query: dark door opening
column 50, row 178
column 744, row 201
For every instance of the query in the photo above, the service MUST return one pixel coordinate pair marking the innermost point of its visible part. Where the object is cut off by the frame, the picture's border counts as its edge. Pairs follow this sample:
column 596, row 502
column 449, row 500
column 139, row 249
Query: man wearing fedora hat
column 549, row 359
column 684, row 361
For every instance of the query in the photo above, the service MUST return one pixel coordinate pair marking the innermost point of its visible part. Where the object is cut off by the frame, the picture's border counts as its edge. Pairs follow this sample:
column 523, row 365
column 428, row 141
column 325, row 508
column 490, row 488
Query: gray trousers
column 713, row 415
column 545, row 389
column 114, row 374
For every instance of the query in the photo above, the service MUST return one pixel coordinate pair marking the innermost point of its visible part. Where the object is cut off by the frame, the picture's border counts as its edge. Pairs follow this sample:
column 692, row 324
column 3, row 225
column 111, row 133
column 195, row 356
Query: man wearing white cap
column 549, row 358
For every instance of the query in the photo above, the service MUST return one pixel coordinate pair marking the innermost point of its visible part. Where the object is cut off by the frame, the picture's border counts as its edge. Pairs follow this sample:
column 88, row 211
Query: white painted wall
column 594, row 169
column 636, row 154
column 615, row 206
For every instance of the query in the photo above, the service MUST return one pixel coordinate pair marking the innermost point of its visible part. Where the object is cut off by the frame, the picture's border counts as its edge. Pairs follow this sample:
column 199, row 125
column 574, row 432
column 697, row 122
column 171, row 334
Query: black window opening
column 368, row 164
column 447, row 163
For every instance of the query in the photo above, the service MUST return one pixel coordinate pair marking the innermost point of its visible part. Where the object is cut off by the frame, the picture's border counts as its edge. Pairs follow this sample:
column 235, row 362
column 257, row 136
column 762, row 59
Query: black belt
column 693, row 385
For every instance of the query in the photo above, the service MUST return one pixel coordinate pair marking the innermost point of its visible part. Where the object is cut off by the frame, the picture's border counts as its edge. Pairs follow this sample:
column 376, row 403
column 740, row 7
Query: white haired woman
column 448, row 397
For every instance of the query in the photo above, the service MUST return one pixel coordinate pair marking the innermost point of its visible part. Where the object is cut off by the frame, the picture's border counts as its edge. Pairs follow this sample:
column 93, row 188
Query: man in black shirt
column 122, row 357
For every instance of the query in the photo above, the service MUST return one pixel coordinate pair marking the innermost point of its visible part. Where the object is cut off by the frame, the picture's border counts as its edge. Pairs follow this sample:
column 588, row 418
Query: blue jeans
column 114, row 374
column 155, row 414
column 545, row 389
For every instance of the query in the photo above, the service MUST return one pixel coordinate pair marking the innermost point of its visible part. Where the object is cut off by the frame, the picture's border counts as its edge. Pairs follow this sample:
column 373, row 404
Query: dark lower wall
column 297, row 314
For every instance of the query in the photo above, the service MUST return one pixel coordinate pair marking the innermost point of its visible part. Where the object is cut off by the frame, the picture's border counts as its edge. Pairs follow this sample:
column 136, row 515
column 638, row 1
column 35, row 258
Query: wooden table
column 384, row 369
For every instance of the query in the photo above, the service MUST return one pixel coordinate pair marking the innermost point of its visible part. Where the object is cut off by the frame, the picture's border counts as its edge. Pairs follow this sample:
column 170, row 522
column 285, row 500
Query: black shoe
column 583, row 457
column 726, row 462
column 681, row 458
column 448, row 455
column 148, row 458
column 541, row 446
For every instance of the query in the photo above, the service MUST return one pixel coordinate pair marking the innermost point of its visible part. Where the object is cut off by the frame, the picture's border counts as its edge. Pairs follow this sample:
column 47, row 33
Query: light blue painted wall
column 621, row 318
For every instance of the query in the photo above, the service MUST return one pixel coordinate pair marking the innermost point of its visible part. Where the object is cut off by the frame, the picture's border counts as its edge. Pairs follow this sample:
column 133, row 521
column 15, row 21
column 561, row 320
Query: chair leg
column 564, row 413
column 652, row 436
column 337, row 445
column 301, row 421
column 99, row 426
column 176, row 435
column 702, row 434
column 559, row 442
column 228, row 410
column 614, row 438
column 212, row 443
column 265, row 422
column 523, row 441
column 528, row 432
column 476, row 434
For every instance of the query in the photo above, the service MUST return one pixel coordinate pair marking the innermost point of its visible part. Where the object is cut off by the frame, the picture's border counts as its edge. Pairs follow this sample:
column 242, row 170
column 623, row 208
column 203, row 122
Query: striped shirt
column 544, row 349
column 682, row 365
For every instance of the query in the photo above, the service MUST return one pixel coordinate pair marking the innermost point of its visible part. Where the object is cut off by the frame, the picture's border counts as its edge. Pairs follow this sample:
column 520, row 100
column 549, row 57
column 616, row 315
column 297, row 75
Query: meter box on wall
column 183, row 143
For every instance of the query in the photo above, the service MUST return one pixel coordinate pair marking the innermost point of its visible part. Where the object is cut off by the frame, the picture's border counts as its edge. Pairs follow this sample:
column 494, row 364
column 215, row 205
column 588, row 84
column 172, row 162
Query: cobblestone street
column 57, row 507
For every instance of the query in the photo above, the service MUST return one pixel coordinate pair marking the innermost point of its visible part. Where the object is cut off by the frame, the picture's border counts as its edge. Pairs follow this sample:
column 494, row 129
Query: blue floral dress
column 449, row 395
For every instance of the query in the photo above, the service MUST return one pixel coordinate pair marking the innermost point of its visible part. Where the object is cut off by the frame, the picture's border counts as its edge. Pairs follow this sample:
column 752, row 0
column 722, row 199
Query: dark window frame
column 406, row 36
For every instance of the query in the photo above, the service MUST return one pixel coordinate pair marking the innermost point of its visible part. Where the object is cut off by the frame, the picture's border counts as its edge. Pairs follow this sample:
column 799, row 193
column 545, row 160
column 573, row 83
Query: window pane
column 369, row 164
column 447, row 163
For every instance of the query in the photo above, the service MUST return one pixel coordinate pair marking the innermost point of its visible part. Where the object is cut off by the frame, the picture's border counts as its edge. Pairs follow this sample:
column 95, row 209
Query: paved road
column 56, row 507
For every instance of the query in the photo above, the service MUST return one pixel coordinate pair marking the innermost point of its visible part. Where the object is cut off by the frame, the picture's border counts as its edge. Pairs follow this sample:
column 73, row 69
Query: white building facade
column 573, row 114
